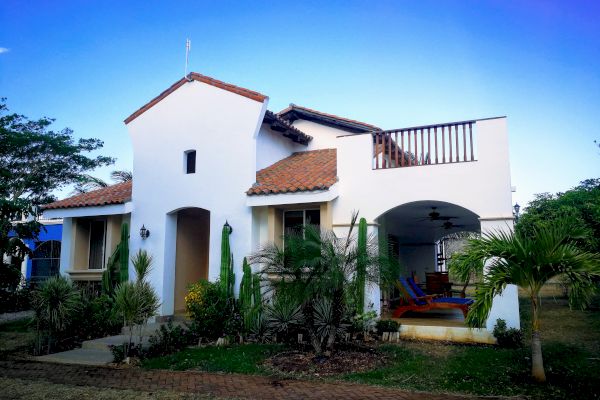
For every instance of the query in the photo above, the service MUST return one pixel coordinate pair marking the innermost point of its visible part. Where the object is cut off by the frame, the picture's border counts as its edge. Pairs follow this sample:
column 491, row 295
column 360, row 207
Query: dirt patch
column 340, row 362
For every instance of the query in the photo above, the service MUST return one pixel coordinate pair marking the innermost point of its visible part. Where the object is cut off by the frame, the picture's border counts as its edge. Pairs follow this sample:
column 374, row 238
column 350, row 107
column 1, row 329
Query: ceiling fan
column 449, row 225
column 434, row 215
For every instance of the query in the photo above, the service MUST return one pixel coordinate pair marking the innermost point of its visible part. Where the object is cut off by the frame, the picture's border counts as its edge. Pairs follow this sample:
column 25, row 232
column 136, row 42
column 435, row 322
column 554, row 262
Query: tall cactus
column 250, row 295
column 257, row 295
column 246, row 284
column 226, row 276
column 361, row 265
column 124, row 253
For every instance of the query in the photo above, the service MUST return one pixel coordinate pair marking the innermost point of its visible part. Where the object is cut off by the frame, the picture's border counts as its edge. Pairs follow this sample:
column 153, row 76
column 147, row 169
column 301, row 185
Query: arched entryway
column 418, row 235
column 414, row 231
column 192, row 251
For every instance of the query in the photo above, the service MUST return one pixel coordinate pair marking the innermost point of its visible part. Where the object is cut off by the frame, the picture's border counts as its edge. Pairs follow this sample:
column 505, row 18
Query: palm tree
column 317, row 269
column 529, row 262
column 121, row 176
column 90, row 183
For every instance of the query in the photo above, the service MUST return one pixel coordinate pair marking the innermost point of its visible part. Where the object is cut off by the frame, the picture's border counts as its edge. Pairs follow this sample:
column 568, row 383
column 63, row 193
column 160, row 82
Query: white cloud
column 3, row 50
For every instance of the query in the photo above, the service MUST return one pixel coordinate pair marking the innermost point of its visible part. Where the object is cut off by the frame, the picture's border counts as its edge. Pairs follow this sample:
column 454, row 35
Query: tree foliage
column 579, row 206
column 88, row 183
column 34, row 161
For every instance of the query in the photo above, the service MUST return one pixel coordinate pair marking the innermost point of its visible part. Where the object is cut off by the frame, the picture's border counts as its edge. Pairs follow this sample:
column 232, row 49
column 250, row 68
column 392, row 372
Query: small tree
column 137, row 301
column 529, row 261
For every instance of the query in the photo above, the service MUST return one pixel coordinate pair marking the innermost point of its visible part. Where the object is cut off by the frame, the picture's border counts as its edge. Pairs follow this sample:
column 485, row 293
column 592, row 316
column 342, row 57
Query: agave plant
column 283, row 316
column 54, row 304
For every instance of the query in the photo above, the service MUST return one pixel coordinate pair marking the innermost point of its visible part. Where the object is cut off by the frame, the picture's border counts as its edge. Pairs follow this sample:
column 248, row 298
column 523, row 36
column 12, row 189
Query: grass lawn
column 242, row 359
column 571, row 345
column 15, row 336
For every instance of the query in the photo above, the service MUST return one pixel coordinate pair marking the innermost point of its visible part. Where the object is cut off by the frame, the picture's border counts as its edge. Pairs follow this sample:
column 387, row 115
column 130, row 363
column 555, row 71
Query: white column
column 505, row 306
column 67, row 247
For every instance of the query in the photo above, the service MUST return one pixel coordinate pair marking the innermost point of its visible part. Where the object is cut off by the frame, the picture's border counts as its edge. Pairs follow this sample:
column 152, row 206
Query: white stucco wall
column 324, row 137
column 221, row 126
column 272, row 146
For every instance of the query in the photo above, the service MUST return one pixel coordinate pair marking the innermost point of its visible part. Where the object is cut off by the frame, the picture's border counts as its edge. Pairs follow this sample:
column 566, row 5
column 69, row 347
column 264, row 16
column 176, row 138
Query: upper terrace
column 445, row 143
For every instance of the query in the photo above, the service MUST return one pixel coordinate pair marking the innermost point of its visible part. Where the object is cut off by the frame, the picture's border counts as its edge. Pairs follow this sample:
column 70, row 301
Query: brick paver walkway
column 221, row 385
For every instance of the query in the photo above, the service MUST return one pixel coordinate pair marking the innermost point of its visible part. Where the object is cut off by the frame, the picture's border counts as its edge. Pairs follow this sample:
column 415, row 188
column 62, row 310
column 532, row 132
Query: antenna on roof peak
column 188, row 47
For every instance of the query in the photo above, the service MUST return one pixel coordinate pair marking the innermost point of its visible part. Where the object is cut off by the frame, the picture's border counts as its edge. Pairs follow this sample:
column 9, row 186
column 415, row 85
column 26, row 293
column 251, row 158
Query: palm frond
column 121, row 176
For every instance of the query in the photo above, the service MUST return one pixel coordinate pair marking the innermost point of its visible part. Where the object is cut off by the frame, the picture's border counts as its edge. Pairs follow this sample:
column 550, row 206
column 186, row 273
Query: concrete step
column 104, row 343
column 150, row 329
column 79, row 356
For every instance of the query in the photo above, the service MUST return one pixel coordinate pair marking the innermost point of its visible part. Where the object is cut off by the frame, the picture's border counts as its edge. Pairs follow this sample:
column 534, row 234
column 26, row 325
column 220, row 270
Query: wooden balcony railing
column 424, row 145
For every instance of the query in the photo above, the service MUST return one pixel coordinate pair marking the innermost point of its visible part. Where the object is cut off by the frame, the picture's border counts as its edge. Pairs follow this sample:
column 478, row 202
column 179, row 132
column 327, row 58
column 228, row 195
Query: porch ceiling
column 411, row 222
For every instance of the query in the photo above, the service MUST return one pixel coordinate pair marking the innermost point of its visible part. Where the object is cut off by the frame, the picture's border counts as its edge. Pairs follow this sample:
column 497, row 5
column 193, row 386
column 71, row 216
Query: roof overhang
column 92, row 211
column 315, row 196
column 294, row 112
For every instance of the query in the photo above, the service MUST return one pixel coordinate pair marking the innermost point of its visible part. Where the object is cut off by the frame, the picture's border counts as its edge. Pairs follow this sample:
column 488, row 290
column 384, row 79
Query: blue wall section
column 51, row 232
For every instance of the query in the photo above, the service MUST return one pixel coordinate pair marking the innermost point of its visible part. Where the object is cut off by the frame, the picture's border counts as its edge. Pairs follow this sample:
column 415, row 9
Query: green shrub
column 96, row 317
column 169, row 339
column 507, row 337
column 387, row 325
column 364, row 323
column 209, row 308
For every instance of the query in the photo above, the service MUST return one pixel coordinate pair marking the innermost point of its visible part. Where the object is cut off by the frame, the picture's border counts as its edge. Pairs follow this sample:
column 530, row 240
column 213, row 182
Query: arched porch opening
column 421, row 235
column 192, row 241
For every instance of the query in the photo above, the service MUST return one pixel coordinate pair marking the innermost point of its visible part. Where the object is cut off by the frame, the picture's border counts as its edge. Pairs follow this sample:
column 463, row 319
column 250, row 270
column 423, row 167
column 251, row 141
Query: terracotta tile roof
column 200, row 78
column 294, row 112
column 115, row 194
column 288, row 130
column 300, row 172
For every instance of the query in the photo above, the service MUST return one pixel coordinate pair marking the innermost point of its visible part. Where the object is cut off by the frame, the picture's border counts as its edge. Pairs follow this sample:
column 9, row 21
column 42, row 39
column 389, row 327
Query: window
column 190, row 161
column 45, row 260
column 294, row 220
column 97, row 235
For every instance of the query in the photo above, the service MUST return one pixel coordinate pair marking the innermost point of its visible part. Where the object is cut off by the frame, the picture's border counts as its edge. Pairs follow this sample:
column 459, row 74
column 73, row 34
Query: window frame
column 304, row 210
column 103, row 263
column 186, row 161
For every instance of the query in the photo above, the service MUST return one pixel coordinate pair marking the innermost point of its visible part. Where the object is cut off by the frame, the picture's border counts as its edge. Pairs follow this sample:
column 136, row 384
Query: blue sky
column 89, row 64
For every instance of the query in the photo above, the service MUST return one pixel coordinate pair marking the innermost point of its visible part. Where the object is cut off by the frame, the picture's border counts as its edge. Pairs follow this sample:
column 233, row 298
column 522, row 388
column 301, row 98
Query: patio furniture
column 438, row 283
column 414, row 302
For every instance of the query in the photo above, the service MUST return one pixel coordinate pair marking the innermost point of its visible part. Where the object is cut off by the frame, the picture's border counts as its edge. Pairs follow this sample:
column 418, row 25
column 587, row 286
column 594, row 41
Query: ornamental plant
column 208, row 307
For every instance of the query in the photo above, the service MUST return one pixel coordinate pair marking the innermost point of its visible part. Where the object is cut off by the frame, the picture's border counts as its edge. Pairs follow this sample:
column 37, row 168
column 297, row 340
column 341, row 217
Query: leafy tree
column 580, row 206
column 529, row 260
column 316, row 270
column 34, row 161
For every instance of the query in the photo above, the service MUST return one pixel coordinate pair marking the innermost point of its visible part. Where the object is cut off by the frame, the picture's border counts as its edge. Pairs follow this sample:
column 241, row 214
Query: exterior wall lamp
column 144, row 233
column 516, row 209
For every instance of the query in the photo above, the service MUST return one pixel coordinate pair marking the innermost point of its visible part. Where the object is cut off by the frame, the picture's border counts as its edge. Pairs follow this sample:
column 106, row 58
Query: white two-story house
column 207, row 152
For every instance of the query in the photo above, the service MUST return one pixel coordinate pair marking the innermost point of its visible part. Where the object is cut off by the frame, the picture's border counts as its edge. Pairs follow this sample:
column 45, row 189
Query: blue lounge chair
column 416, row 300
